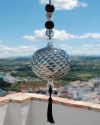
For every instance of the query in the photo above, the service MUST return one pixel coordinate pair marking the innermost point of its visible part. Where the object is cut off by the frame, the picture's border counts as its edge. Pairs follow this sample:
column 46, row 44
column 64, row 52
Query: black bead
column 49, row 8
column 49, row 24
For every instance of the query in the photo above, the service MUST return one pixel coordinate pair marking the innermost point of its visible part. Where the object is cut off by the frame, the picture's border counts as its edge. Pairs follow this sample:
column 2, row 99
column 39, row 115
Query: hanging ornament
column 49, row 62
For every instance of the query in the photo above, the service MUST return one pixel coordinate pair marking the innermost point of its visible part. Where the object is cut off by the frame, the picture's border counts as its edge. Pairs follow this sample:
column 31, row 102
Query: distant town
column 81, row 83
column 77, row 90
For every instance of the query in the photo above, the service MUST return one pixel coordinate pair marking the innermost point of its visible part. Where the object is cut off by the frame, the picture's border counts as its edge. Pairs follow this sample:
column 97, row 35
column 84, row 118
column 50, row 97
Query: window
column 77, row 93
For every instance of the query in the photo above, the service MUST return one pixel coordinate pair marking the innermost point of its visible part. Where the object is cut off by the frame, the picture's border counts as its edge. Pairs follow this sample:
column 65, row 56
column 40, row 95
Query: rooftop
column 91, row 95
column 9, row 78
column 76, row 82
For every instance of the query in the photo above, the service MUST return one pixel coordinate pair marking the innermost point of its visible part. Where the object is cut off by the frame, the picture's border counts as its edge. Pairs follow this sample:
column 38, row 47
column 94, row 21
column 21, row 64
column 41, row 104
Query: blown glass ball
column 49, row 8
column 49, row 16
column 49, row 33
column 49, row 24
column 50, row 63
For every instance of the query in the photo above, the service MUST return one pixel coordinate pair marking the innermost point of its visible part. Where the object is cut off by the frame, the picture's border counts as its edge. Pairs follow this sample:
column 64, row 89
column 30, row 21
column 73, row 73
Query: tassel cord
column 49, row 112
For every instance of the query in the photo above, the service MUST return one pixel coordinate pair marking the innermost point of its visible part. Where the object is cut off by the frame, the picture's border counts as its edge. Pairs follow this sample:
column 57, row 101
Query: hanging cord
column 49, row 112
column 49, row 1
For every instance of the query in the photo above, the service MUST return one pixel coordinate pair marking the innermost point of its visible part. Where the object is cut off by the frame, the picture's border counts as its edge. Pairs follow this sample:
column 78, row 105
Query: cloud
column 98, row 40
column 81, row 50
column 0, row 41
column 39, row 35
column 6, row 51
column 84, row 4
column 84, row 52
column 85, row 45
column 66, row 47
column 65, row 4
column 87, row 35
column 59, row 36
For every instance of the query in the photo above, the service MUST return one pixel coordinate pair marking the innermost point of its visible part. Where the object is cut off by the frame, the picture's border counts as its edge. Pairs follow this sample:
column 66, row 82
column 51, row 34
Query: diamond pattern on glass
column 50, row 63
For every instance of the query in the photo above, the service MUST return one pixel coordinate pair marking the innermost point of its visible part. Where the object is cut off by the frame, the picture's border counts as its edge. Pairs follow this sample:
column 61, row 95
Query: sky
column 22, row 26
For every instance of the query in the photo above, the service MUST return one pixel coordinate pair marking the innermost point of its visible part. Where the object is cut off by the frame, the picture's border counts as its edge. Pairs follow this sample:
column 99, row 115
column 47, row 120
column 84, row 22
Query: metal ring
column 50, row 85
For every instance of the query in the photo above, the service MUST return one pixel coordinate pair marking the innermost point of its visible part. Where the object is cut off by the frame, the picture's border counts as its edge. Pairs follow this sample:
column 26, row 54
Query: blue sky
column 22, row 26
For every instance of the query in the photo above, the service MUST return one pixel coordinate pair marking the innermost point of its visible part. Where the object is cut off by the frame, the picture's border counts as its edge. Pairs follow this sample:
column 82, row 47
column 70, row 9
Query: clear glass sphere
column 49, row 33
column 49, row 16
column 50, row 63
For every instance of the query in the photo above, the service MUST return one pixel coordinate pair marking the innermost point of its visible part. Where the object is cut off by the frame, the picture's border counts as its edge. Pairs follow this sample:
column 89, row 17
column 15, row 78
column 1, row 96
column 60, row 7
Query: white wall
column 35, row 113
column 3, row 110
column 81, row 93
column 62, row 115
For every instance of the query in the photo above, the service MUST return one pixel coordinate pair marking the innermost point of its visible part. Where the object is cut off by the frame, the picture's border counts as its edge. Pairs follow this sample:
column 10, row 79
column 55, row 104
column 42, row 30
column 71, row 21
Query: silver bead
column 50, row 33
column 49, row 16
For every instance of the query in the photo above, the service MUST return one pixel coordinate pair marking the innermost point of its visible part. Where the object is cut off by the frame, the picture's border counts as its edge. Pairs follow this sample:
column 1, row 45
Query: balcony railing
column 31, row 109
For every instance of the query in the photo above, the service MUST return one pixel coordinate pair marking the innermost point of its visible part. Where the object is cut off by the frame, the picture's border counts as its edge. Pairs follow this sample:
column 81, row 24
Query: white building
column 79, row 92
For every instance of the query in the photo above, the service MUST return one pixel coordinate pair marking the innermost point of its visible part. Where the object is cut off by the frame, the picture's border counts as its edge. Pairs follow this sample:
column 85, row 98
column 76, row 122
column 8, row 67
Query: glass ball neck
column 50, row 45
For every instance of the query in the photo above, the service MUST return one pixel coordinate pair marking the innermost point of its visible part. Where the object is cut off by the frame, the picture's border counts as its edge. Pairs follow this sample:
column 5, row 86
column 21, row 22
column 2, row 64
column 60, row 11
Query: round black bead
column 49, row 24
column 49, row 8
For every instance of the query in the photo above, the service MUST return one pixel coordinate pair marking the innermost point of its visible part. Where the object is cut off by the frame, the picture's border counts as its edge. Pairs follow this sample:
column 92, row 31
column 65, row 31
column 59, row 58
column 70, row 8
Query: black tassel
column 49, row 113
